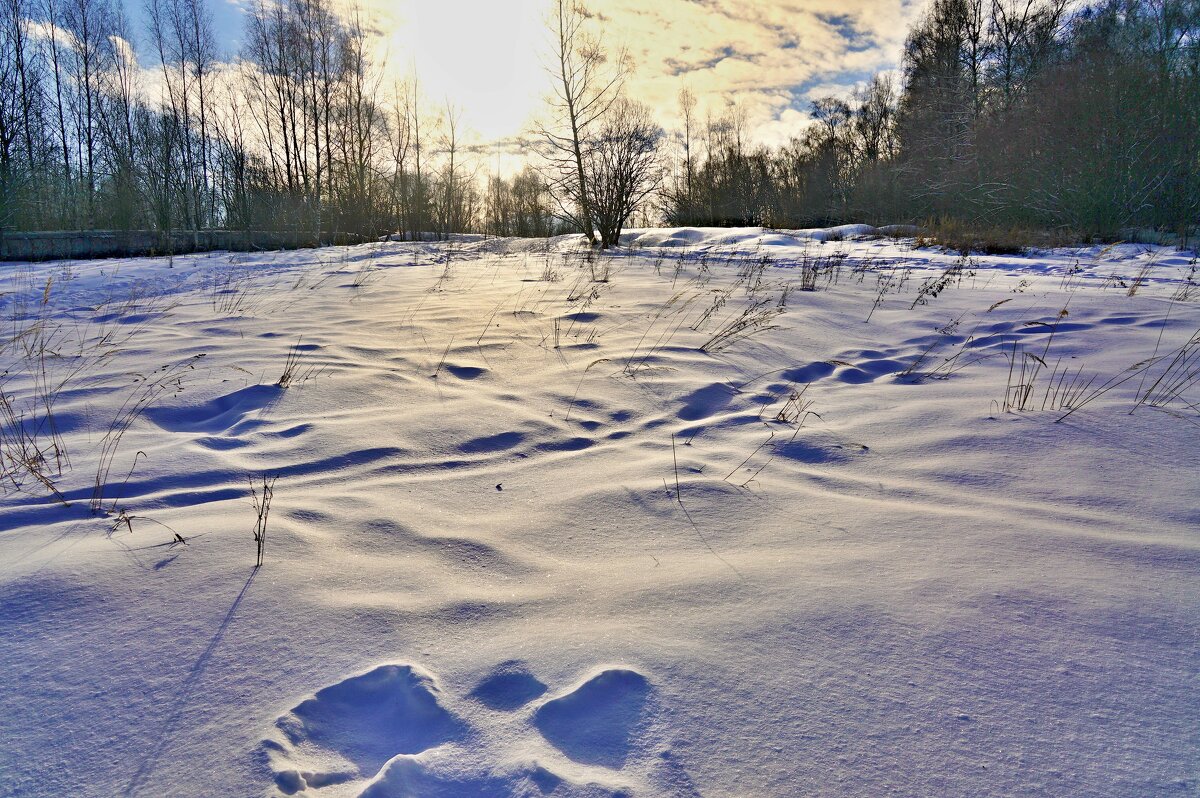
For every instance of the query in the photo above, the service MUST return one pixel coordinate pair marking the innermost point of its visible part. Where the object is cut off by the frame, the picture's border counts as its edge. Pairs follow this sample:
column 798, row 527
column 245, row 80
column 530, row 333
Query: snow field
column 657, row 522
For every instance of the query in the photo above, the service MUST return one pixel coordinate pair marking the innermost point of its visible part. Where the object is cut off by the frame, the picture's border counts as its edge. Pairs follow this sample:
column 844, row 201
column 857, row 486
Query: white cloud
column 757, row 51
column 771, row 57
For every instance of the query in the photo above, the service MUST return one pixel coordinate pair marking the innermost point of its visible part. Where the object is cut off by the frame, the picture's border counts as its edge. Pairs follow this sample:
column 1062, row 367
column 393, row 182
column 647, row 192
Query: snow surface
column 528, row 538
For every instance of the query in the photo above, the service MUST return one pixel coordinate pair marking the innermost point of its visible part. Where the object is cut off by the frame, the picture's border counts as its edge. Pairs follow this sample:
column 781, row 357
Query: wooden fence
column 84, row 244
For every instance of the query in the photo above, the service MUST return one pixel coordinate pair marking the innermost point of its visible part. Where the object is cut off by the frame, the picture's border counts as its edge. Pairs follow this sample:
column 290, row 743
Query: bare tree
column 10, row 114
column 622, row 167
column 320, row 37
column 120, row 101
column 419, row 199
column 586, row 84
column 90, row 25
column 458, row 176
column 399, row 143
column 58, row 72
column 238, row 174
column 687, row 109
column 358, row 125
column 874, row 114
column 16, row 23
column 518, row 207
column 182, row 34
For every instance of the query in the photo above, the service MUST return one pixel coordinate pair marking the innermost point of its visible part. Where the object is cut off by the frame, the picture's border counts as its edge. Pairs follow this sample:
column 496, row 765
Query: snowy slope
column 653, row 523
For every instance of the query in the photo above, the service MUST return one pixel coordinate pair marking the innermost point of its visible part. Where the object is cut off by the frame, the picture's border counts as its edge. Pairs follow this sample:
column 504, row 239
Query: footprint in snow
column 595, row 723
column 388, row 733
column 355, row 726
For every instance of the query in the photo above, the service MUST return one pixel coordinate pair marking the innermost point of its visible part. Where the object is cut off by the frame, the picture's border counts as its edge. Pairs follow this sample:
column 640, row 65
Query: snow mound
column 221, row 415
column 839, row 233
column 441, row 774
column 742, row 237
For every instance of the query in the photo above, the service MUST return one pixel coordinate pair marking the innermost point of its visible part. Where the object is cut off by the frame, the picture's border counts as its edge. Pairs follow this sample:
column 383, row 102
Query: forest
column 1037, row 114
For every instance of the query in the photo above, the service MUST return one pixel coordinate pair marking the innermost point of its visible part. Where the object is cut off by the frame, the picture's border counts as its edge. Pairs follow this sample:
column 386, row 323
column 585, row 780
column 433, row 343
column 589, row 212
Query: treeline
column 1009, row 112
column 297, row 132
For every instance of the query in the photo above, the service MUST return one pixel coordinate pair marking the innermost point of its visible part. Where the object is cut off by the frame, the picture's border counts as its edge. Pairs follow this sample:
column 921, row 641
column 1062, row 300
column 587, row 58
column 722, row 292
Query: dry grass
column 292, row 367
column 992, row 239
column 147, row 390
column 1181, row 374
column 46, row 351
column 952, row 275
column 753, row 319
column 261, row 496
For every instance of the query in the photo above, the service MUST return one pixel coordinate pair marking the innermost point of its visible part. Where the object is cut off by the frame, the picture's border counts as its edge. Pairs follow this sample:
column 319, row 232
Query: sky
column 772, row 57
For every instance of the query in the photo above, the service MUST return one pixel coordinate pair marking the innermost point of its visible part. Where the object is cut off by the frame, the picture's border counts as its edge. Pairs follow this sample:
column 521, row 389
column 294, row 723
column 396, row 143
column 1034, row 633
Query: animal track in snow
column 388, row 733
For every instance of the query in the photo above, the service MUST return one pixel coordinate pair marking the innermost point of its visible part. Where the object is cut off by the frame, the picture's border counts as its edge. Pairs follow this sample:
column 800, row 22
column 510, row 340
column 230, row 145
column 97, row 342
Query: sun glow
column 485, row 57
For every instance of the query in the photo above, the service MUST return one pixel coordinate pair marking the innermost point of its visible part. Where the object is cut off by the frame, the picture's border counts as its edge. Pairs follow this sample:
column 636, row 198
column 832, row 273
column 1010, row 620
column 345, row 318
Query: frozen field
column 723, row 513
